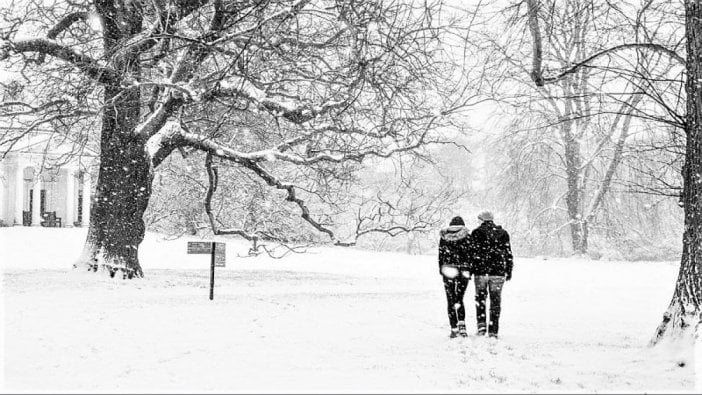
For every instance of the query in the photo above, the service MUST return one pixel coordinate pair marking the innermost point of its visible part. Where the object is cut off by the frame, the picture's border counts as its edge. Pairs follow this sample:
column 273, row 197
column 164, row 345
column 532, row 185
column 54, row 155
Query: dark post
column 212, row 266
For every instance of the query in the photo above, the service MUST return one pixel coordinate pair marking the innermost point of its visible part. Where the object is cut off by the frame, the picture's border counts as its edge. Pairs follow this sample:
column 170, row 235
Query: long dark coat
column 491, row 252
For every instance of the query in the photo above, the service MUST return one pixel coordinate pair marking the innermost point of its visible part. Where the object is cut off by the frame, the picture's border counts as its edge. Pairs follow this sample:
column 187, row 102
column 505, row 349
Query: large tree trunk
column 122, row 192
column 684, row 312
column 124, row 181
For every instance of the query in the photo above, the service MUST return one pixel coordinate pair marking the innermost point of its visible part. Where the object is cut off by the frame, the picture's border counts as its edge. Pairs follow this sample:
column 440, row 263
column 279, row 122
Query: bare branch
column 537, row 58
column 45, row 46
column 65, row 23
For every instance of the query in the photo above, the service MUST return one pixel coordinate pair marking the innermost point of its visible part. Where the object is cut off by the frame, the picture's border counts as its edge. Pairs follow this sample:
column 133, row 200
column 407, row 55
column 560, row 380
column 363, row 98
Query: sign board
column 205, row 247
column 220, row 255
column 200, row 247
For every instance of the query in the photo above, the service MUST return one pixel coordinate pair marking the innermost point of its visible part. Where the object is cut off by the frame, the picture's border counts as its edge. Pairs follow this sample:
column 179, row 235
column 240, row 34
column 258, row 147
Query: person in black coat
column 454, row 264
column 491, row 264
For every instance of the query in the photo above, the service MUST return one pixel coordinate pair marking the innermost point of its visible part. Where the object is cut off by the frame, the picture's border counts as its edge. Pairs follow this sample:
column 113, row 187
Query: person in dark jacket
column 491, row 263
column 454, row 264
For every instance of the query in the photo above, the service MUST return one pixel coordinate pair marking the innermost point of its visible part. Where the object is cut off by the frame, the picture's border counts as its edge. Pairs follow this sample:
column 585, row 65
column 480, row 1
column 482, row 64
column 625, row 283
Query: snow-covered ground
column 331, row 320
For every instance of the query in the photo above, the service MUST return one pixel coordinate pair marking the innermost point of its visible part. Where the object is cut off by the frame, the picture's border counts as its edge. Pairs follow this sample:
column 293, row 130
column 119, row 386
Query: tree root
column 93, row 264
column 677, row 323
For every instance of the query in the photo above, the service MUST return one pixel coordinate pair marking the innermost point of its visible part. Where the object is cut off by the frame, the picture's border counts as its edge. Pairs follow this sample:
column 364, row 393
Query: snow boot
column 462, row 329
column 454, row 333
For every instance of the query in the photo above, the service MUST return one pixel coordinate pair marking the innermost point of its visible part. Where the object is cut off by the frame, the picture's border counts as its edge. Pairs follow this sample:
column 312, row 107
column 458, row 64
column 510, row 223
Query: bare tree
column 684, row 313
column 568, row 138
column 334, row 82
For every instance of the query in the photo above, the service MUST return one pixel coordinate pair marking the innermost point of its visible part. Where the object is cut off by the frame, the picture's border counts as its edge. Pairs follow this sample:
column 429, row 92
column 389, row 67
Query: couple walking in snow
column 485, row 254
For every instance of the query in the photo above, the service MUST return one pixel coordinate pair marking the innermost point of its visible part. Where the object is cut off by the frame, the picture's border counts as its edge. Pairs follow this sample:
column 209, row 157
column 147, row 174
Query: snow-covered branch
column 90, row 66
column 208, row 144
column 291, row 110
column 8, row 108
column 174, row 134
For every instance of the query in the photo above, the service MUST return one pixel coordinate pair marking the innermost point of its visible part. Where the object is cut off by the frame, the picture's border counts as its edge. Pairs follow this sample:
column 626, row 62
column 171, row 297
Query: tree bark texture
column 574, row 195
column 684, row 312
column 573, row 170
column 124, row 181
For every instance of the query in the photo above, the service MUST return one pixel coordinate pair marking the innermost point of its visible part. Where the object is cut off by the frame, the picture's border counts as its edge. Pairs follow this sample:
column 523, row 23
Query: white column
column 36, row 200
column 85, row 210
column 70, row 198
column 19, row 193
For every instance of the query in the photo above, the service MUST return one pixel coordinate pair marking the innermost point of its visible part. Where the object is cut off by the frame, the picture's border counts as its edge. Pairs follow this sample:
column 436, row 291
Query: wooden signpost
column 217, row 256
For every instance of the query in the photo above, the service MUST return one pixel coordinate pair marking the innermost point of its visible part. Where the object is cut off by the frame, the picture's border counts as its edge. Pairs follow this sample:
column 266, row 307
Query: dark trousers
column 492, row 286
column 455, row 289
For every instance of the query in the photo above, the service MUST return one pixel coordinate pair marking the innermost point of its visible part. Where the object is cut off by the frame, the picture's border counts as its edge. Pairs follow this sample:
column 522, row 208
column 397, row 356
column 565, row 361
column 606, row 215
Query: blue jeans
column 492, row 286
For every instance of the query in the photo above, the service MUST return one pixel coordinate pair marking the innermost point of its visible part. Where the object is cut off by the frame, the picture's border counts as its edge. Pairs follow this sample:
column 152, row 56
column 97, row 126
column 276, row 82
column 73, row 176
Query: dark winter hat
column 457, row 220
column 486, row 216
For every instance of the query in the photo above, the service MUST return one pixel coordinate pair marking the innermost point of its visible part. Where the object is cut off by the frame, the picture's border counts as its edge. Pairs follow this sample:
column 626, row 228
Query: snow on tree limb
column 288, row 109
column 169, row 15
column 207, row 144
column 174, row 134
column 90, row 66
column 293, row 197
column 313, row 86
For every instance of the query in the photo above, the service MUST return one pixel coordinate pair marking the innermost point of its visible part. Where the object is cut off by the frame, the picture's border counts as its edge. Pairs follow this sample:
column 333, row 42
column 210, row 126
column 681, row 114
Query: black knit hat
column 457, row 220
